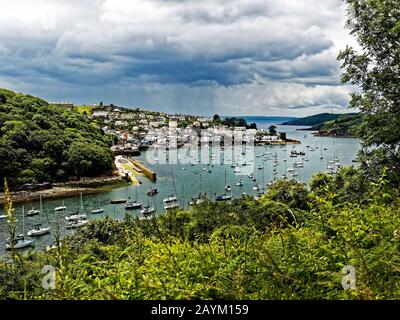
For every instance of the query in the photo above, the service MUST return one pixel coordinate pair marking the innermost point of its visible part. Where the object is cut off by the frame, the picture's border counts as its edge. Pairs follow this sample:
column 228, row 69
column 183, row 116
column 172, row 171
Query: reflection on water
column 189, row 182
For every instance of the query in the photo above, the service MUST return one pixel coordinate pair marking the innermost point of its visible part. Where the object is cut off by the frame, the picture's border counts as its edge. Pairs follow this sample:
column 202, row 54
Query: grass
column 133, row 171
column 84, row 109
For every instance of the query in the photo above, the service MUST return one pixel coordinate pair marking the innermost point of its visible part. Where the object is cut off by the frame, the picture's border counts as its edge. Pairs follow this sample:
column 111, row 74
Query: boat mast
column 23, row 220
column 183, row 198
column 173, row 182
column 40, row 203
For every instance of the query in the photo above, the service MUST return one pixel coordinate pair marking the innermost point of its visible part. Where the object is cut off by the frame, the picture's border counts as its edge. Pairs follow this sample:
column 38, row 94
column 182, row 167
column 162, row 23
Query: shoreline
column 68, row 189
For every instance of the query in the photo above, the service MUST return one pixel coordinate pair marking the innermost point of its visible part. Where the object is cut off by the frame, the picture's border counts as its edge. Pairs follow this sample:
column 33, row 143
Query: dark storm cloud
column 165, row 43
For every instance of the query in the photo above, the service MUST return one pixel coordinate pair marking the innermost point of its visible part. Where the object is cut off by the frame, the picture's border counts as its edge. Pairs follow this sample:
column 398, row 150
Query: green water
column 187, row 183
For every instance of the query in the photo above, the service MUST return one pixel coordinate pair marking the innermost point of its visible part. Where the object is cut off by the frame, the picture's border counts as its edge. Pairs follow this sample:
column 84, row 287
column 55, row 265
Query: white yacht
column 76, row 223
column 38, row 230
column 75, row 216
column 19, row 243
column 169, row 199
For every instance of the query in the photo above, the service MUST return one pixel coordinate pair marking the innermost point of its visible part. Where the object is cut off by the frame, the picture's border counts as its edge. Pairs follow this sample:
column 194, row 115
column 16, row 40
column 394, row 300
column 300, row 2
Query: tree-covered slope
column 344, row 125
column 45, row 143
column 312, row 120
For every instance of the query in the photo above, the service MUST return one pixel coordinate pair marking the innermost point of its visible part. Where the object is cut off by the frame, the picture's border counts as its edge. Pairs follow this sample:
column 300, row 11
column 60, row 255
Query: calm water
column 189, row 182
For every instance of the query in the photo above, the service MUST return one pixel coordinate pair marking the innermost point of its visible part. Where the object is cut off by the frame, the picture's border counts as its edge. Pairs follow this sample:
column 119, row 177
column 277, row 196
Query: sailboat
column 199, row 199
column 132, row 205
column 171, row 205
column 227, row 184
column 76, row 223
column 38, row 230
column 99, row 209
column 77, row 215
column 34, row 212
column 170, row 201
column 60, row 208
column 19, row 242
column 223, row 197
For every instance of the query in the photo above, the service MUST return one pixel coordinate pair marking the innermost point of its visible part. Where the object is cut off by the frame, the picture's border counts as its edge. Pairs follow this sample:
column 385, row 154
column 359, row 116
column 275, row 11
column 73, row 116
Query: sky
column 230, row 57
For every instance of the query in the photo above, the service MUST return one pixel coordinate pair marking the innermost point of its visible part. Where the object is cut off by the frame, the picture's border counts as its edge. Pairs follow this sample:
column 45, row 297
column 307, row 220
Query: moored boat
column 19, row 243
column 76, row 223
column 38, row 230
column 75, row 216
column 223, row 197
column 118, row 201
column 133, row 205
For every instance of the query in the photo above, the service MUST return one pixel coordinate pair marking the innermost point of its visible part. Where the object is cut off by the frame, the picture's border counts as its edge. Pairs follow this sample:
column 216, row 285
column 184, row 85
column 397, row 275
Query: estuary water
column 187, row 181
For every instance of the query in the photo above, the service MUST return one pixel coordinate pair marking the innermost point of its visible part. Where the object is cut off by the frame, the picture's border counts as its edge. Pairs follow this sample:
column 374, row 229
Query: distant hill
column 312, row 120
column 329, row 124
column 344, row 125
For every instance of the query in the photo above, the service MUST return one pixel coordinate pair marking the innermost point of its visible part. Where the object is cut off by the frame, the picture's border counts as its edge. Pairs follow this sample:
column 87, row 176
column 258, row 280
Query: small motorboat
column 61, row 208
column 152, row 192
column 38, row 230
column 145, row 217
column 76, row 223
column 98, row 211
column 228, row 188
column 147, row 210
column 3, row 216
column 52, row 246
column 19, row 243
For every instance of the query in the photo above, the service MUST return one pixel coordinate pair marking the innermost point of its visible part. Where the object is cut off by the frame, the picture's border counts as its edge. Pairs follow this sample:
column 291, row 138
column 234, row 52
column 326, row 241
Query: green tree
column 375, row 69
column 272, row 130
column 216, row 118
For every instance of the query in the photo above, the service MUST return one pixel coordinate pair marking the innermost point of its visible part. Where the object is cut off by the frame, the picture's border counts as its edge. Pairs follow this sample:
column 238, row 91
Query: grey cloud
column 211, row 49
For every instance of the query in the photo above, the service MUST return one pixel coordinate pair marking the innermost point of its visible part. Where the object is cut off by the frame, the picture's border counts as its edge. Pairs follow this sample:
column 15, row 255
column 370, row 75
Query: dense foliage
column 313, row 120
column 44, row 143
column 375, row 68
column 343, row 125
column 233, row 122
column 292, row 243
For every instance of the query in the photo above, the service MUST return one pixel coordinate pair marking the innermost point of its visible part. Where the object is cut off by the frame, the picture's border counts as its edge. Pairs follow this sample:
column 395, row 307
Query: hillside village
column 136, row 129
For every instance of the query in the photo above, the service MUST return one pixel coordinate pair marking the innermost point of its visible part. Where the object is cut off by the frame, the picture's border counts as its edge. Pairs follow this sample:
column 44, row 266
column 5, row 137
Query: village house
column 120, row 123
column 99, row 114
column 115, row 113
